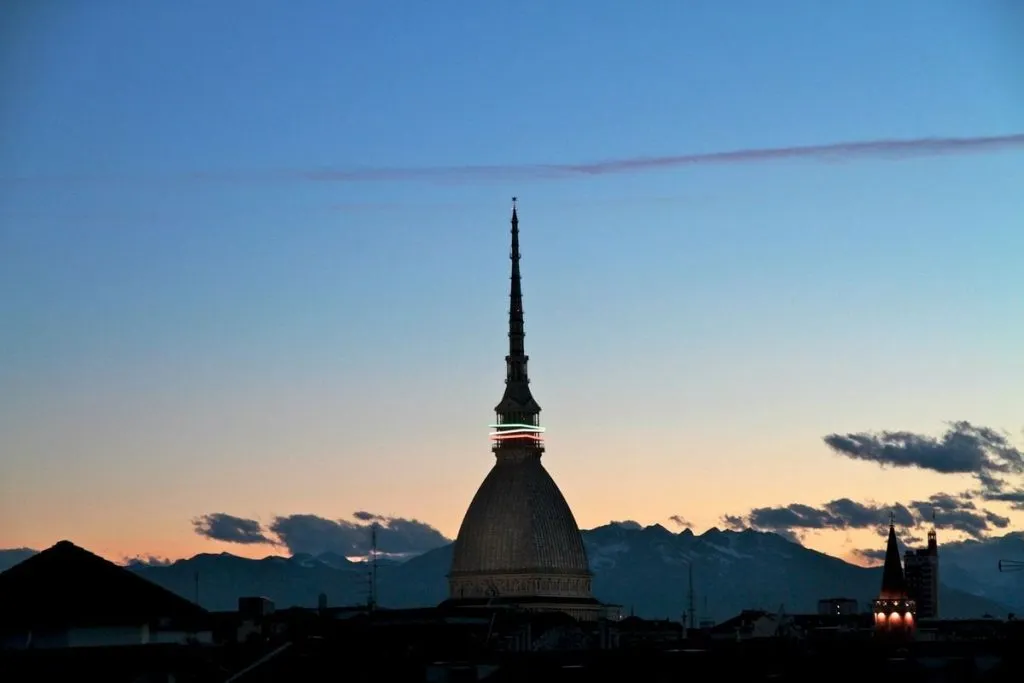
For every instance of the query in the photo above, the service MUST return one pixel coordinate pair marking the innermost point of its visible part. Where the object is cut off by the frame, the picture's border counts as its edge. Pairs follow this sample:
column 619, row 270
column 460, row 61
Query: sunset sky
column 210, row 301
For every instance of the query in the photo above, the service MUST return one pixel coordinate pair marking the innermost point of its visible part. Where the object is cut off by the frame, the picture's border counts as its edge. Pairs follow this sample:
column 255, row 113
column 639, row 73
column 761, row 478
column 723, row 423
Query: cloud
column 838, row 151
column 627, row 524
column 955, row 512
column 364, row 516
column 306, row 533
column 316, row 535
column 964, row 449
column 874, row 555
column 680, row 522
column 220, row 526
column 1013, row 496
column 146, row 561
column 842, row 513
column 873, row 149
column 982, row 452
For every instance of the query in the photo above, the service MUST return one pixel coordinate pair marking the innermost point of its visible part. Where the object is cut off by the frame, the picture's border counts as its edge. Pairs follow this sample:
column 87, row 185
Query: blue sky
column 189, row 317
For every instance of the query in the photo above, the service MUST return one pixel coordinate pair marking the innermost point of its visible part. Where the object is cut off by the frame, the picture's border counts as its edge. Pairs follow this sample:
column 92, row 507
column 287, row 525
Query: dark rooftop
column 66, row 585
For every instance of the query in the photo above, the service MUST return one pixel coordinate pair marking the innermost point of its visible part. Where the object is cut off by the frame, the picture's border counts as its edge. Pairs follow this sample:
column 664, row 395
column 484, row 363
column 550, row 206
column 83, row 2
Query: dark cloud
column 842, row 513
column 364, row 516
column 941, row 503
column 998, row 521
column 956, row 512
column 734, row 521
column 146, row 561
column 793, row 516
column 221, row 526
column 871, row 555
column 981, row 452
column 627, row 524
column 853, row 515
column 681, row 522
column 904, row 541
column 316, row 535
column 1013, row 496
column 395, row 535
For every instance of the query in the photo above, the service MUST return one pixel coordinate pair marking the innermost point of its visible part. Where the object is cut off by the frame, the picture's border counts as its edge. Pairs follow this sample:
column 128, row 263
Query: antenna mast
column 373, row 567
column 692, row 611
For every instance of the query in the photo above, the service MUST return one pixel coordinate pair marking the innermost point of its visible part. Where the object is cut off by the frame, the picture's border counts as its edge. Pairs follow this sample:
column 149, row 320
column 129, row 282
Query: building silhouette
column 922, row 573
column 67, row 597
column 519, row 544
column 894, row 610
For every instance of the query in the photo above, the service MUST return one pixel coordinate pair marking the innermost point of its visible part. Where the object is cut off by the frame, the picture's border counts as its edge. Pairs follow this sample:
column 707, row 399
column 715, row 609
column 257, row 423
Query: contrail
column 839, row 151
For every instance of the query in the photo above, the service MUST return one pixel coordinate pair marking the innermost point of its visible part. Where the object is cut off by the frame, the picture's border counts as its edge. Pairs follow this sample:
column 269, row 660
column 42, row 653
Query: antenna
column 1011, row 565
column 372, row 602
column 692, row 610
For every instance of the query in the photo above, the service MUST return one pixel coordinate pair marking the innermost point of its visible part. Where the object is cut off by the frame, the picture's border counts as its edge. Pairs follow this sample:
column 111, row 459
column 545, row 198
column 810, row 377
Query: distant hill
column 648, row 570
column 645, row 570
column 13, row 556
column 972, row 566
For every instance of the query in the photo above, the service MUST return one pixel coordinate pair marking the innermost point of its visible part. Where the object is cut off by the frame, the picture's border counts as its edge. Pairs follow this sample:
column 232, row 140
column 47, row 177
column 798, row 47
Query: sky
column 254, row 264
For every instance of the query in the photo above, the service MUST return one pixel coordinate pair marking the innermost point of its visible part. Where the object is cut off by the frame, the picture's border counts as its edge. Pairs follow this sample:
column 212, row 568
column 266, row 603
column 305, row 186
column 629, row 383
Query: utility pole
column 692, row 611
column 373, row 567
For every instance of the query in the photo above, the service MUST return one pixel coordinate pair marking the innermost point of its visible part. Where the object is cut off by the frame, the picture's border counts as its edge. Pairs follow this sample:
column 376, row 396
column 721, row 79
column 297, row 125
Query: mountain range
column 644, row 569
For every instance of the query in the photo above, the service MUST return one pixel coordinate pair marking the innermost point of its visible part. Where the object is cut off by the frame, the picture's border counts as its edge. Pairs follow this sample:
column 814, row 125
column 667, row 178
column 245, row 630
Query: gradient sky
column 192, row 321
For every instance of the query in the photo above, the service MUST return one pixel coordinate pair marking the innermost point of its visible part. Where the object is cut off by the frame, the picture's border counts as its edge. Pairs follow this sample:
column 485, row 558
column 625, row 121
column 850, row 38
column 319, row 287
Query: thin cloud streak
column 842, row 151
column 886, row 150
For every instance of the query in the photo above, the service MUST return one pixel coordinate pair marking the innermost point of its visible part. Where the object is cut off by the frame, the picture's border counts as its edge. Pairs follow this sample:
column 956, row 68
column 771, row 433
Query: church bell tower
column 895, row 613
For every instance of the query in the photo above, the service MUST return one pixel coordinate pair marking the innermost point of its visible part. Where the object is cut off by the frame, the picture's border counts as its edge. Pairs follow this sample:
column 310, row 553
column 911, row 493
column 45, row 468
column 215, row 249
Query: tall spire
column 516, row 334
column 894, row 585
column 517, row 406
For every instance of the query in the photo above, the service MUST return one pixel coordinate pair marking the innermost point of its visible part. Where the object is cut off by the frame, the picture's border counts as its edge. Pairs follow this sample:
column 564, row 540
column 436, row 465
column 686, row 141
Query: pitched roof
column 66, row 585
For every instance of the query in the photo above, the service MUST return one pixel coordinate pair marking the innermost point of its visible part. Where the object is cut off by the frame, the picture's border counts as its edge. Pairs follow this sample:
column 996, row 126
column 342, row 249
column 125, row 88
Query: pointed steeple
column 516, row 333
column 894, row 585
column 517, row 405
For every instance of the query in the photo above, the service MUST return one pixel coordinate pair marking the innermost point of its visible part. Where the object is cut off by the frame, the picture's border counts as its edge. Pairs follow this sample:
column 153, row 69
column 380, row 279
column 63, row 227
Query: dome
column 519, row 543
column 519, row 524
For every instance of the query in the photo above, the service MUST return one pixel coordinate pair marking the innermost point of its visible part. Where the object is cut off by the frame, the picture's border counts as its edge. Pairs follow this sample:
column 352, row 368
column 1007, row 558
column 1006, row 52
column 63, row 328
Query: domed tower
column 519, row 544
column 895, row 613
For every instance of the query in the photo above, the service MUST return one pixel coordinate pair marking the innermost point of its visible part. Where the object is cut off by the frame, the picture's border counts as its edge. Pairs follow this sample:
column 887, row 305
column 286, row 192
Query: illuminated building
column 519, row 544
column 894, row 610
